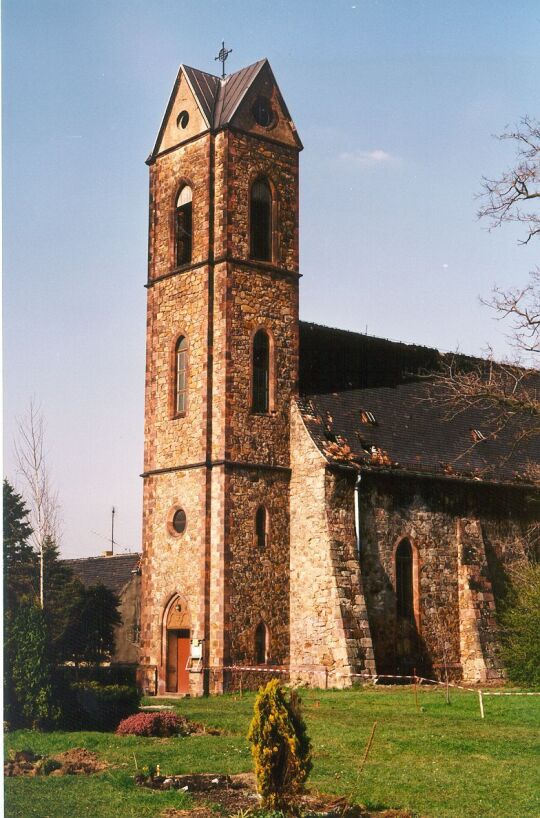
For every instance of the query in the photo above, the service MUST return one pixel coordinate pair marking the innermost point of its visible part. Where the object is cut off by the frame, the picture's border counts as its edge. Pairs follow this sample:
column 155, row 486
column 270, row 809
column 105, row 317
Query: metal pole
column 112, row 529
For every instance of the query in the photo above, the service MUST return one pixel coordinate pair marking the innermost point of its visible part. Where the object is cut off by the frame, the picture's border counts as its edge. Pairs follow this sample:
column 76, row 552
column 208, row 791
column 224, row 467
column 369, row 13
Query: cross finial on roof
column 222, row 56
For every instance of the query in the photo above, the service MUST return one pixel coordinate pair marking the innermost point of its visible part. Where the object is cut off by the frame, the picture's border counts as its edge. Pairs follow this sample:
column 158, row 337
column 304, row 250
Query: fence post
column 481, row 703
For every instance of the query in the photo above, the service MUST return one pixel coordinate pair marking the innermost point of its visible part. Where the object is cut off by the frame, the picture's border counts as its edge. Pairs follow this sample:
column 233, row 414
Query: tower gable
column 193, row 94
column 212, row 103
column 264, row 91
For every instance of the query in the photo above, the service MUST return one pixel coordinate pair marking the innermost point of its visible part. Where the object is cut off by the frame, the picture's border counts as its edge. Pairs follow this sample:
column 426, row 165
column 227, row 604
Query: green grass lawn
column 441, row 761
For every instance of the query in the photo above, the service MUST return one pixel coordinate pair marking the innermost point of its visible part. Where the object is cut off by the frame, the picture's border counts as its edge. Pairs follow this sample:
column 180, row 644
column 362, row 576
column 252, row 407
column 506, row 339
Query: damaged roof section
column 381, row 413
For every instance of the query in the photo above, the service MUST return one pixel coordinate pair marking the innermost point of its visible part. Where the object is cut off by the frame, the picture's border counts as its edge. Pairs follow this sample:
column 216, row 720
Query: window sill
column 179, row 415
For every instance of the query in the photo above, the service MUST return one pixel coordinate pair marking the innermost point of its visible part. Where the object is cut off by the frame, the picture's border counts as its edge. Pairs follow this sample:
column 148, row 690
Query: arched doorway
column 178, row 636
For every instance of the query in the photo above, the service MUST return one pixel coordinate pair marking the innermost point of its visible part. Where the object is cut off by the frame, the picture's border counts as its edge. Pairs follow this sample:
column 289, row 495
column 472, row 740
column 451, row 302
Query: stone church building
column 306, row 506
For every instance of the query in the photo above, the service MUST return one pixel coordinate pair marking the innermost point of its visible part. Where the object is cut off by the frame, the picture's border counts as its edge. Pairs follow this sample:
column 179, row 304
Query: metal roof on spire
column 219, row 97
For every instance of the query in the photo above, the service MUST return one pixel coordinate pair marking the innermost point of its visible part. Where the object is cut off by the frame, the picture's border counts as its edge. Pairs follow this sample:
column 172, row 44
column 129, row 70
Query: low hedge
column 103, row 707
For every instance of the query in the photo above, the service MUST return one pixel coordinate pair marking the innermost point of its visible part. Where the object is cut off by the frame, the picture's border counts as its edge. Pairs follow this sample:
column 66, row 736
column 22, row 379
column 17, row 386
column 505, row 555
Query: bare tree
column 504, row 199
column 42, row 498
column 508, row 392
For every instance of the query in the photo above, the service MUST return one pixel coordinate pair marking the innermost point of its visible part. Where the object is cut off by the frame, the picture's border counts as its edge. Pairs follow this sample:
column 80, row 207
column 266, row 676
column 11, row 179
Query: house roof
column 412, row 431
column 113, row 572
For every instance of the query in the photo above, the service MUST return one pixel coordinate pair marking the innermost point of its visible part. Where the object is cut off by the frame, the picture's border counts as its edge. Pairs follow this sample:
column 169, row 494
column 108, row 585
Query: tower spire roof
column 218, row 98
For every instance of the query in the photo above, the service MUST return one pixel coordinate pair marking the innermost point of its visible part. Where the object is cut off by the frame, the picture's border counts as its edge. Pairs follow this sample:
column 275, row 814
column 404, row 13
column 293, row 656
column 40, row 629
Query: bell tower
column 222, row 368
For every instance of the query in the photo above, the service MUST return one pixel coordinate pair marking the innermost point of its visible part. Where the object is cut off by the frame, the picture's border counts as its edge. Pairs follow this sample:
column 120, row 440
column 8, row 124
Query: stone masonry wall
column 478, row 628
column 444, row 523
column 248, row 158
column 257, row 579
column 329, row 631
column 257, row 299
column 172, row 564
column 188, row 164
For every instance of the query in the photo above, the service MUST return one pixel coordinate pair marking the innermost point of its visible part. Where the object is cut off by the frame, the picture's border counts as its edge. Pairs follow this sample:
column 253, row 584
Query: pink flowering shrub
column 155, row 724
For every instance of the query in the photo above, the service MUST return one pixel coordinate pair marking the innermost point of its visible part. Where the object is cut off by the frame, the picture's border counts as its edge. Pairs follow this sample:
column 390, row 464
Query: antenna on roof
column 222, row 56
column 112, row 529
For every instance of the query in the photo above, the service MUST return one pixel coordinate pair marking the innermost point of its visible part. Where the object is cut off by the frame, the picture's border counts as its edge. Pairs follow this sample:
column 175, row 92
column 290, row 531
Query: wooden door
column 178, row 649
column 183, row 651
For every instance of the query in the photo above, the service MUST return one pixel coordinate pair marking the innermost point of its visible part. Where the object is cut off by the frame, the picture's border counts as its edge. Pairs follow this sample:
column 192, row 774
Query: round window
column 182, row 119
column 262, row 112
column 179, row 521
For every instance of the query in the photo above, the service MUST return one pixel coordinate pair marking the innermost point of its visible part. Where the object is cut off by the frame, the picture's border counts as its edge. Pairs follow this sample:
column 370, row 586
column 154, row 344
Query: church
column 307, row 507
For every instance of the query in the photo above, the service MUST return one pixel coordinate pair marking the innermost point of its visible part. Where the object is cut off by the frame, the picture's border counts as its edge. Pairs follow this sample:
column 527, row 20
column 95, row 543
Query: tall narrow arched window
column 261, row 527
column 260, row 219
column 404, row 582
column 180, row 376
column 260, row 399
column 183, row 226
column 261, row 644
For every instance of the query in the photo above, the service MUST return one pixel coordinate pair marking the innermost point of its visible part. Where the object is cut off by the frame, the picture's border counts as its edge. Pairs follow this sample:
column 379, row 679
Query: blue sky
column 396, row 104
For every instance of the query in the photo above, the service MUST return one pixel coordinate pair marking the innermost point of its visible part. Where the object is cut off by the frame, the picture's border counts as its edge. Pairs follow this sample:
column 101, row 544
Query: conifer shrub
column 280, row 746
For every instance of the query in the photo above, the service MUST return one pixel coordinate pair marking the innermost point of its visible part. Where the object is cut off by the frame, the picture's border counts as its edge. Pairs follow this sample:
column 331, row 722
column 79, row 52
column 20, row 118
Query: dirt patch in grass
column 77, row 761
column 232, row 793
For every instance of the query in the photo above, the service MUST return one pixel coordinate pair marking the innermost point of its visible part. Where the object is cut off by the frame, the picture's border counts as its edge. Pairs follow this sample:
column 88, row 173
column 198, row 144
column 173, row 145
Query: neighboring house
column 121, row 574
column 304, row 506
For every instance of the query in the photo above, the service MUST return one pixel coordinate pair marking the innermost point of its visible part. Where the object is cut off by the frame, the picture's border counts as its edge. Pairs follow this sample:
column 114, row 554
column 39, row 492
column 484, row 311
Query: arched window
column 183, row 226
column 261, row 365
column 261, row 644
column 180, row 376
column 260, row 219
column 404, row 582
column 261, row 527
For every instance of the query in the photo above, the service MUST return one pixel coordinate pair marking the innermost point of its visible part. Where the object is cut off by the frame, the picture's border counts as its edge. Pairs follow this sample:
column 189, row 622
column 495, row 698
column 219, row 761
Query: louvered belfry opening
column 184, row 226
column 261, row 221
column 261, row 366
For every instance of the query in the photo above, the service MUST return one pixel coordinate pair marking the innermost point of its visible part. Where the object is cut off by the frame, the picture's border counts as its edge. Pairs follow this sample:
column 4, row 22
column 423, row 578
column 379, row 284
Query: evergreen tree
column 89, row 635
column 20, row 559
column 280, row 747
column 62, row 592
column 28, row 670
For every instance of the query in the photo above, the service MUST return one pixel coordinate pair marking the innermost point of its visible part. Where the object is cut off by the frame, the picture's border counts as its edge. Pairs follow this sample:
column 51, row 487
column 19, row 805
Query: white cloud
column 359, row 158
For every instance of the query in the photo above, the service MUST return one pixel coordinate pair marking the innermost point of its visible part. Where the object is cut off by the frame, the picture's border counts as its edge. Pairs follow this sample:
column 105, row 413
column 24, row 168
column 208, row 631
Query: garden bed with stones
column 232, row 793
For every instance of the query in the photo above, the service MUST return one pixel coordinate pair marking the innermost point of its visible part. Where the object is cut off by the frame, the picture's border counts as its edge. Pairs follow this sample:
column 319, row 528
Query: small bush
column 103, row 707
column 280, row 746
column 521, row 626
column 155, row 724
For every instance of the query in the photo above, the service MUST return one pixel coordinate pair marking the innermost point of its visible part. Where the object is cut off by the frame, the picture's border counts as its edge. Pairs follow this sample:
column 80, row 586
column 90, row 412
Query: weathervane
column 222, row 56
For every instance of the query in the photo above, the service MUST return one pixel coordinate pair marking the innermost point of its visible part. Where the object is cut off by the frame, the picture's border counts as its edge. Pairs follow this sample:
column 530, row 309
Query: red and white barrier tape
column 367, row 676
